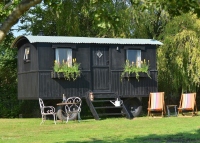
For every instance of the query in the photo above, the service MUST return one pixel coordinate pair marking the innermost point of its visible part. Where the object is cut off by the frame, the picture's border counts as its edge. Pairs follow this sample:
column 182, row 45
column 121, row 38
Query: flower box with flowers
column 139, row 69
column 66, row 70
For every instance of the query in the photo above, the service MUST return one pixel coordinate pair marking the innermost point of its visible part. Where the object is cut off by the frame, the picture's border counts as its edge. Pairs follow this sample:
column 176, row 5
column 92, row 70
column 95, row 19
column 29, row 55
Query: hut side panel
column 45, row 56
column 24, row 66
column 27, row 73
column 131, row 87
column 117, row 57
column 53, row 88
column 82, row 55
column 150, row 54
column 28, row 85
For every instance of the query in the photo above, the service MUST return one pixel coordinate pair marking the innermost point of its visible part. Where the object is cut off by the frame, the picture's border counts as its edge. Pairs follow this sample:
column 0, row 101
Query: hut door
column 100, row 68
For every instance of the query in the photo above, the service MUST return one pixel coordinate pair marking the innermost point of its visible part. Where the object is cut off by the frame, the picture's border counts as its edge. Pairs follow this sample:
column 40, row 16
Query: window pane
column 64, row 54
column 134, row 56
column 26, row 53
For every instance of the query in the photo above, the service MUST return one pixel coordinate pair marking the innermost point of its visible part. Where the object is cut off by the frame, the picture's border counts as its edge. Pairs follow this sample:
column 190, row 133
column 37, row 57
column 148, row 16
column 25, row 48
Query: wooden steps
column 101, row 106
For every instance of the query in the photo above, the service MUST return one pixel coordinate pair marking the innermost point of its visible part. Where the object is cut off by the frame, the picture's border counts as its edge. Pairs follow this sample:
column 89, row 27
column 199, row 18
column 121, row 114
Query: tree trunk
column 13, row 18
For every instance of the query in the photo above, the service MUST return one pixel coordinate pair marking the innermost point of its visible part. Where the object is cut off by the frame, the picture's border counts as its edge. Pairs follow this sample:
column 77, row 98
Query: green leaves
column 69, row 71
column 139, row 67
column 179, row 56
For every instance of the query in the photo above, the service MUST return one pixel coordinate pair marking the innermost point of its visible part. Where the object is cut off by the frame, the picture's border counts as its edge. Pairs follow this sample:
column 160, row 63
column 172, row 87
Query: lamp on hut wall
column 91, row 96
column 117, row 49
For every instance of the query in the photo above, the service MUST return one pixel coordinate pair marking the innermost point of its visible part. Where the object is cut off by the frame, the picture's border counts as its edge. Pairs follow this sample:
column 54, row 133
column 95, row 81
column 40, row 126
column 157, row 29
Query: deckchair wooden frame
column 193, row 106
column 161, row 107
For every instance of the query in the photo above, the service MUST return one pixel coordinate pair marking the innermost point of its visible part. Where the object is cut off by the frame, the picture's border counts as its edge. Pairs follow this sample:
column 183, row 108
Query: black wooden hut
column 101, row 64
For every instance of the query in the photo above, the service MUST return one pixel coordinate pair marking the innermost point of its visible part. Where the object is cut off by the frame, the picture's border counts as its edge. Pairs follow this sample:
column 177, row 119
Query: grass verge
column 120, row 130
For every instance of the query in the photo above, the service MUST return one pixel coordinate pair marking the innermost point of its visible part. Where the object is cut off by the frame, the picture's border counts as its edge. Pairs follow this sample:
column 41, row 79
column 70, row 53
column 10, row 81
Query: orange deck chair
column 188, row 103
column 156, row 103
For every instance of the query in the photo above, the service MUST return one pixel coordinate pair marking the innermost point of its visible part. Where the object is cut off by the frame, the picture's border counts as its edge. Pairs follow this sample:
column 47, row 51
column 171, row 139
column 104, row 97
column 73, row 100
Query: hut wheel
column 62, row 115
column 134, row 106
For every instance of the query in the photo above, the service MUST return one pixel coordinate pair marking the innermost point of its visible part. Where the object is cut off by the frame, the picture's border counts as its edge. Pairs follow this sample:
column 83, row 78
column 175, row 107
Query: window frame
column 140, row 48
column 65, row 46
column 138, row 56
column 68, row 57
column 27, row 55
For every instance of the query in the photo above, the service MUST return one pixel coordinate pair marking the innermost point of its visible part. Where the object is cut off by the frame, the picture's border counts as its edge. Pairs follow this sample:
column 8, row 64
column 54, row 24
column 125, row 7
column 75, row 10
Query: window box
column 57, row 75
column 60, row 75
column 141, row 74
column 139, row 69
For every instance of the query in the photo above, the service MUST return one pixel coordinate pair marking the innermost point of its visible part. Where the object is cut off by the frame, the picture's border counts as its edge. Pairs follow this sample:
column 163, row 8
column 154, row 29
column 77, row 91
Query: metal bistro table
column 71, row 109
column 175, row 110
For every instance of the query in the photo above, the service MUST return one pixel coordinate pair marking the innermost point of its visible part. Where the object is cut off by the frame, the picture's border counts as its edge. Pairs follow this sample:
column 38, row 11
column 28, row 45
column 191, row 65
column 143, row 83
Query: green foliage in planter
column 140, row 66
column 69, row 71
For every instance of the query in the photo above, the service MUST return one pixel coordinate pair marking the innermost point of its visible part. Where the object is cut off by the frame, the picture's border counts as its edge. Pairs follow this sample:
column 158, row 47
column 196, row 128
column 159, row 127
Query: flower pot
column 141, row 74
column 60, row 75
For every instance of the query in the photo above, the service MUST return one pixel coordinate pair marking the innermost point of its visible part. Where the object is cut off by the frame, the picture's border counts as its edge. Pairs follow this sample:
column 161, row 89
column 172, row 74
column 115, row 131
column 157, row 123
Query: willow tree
column 178, row 58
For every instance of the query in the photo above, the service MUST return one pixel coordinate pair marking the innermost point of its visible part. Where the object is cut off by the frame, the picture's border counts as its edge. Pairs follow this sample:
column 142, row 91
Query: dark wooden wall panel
column 150, row 54
column 28, row 85
column 55, row 88
column 117, row 57
column 133, row 87
column 83, row 56
column 30, row 66
column 46, row 56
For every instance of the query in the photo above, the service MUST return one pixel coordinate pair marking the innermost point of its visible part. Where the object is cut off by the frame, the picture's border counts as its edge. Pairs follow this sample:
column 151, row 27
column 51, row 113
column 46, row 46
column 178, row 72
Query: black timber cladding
column 97, row 74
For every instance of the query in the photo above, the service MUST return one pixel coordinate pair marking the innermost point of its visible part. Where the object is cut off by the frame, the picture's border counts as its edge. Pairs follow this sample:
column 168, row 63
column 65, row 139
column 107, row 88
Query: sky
column 17, row 33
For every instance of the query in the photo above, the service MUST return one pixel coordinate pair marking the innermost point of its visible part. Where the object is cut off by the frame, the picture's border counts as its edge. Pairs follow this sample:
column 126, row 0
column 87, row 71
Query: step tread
column 102, row 114
column 102, row 100
column 107, row 107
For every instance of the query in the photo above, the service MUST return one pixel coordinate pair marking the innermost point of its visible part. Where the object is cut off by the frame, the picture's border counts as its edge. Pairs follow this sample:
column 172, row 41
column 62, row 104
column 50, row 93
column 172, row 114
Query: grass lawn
column 117, row 130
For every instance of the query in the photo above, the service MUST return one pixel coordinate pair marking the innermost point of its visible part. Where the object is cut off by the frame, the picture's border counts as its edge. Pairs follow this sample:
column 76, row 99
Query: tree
column 178, row 58
column 79, row 18
column 148, row 22
column 8, row 83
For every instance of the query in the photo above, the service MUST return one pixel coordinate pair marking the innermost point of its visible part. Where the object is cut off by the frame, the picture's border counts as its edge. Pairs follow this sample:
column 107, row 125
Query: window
column 134, row 56
column 27, row 54
column 64, row 55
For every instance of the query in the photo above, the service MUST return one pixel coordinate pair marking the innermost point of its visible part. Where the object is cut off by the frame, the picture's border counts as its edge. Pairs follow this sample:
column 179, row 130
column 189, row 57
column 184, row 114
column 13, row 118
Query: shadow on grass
column 186, row 137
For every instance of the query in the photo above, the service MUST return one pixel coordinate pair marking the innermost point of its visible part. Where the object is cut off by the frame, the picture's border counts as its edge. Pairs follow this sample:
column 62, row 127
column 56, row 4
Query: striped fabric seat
column 156, row 102
column 188, row 103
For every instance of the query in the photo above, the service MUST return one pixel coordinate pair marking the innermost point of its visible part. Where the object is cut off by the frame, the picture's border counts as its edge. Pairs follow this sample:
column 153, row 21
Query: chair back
column 157, row 100
column 188, row 100
column 41, row 105
column 76, row 106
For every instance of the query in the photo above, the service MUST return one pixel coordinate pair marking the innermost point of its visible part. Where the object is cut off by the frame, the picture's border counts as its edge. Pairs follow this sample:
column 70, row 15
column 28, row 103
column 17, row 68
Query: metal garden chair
column 73, row 106
column 47, row 110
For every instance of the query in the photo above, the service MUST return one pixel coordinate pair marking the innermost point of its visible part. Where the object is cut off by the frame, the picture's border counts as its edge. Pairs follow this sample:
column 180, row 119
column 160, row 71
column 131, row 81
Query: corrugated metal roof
column 66, row 39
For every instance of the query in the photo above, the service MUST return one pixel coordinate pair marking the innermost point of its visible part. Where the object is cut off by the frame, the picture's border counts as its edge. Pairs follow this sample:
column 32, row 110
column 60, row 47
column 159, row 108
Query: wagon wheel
column 134, row 106
column 63, row 116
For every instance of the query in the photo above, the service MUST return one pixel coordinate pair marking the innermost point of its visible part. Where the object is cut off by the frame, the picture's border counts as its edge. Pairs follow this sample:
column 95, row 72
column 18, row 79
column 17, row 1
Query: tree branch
column 13, row 18
column 8, row 4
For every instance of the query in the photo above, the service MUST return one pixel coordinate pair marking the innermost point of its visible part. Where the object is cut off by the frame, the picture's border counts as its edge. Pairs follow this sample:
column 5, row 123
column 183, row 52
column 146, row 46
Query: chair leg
column 55, row 118
column 43, row 116
column 79, row 117
column 67, row 118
